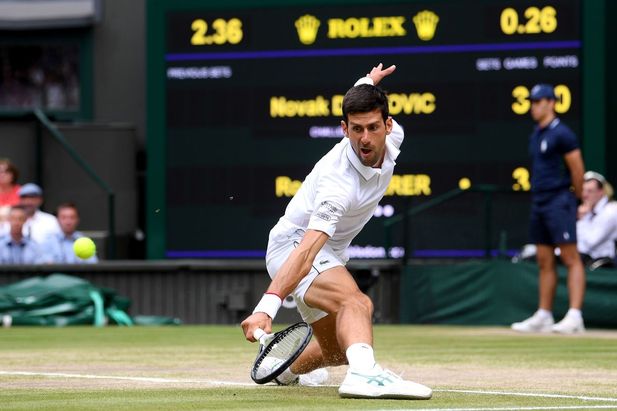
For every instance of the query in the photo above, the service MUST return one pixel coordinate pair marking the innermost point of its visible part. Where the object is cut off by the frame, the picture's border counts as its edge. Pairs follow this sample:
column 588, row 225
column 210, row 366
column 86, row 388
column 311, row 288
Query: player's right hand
column 378, row 73
column 254, row 321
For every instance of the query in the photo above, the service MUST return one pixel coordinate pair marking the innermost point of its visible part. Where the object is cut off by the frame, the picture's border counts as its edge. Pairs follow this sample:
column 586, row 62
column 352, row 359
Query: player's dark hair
column 365, row 98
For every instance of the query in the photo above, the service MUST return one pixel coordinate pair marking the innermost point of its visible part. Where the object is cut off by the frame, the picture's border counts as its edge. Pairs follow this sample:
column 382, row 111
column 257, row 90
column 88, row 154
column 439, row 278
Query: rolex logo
column 307, row 27
column 426, row 24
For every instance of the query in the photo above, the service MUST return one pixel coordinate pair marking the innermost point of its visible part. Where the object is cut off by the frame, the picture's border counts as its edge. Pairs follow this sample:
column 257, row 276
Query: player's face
column 367, row 134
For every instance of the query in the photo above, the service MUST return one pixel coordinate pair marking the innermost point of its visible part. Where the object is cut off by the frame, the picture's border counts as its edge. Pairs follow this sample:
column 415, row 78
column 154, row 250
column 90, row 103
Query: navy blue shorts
column 554, row 221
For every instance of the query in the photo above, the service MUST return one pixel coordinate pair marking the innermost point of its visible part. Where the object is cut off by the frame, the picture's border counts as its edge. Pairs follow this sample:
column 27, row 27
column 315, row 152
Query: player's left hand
column 254, row 321
column 378, row 73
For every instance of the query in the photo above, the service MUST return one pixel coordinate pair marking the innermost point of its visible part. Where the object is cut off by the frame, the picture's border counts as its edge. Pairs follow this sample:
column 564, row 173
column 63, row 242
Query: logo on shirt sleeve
column 326, row 211
column 328, row 206
column 323, row 216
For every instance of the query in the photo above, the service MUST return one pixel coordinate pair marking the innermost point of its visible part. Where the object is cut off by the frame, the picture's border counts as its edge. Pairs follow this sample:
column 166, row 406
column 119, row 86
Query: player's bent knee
column 358, row 301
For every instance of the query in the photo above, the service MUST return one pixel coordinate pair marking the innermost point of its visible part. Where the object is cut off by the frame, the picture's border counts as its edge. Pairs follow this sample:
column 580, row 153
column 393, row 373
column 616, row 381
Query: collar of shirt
column 600, row 205
column 72, row 237
column 369, row 172
column 11, row 242
column 551, row 125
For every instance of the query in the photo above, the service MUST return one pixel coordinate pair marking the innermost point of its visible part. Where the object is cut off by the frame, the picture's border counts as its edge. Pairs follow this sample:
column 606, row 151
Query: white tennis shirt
column 340, row 194
column 597, row 230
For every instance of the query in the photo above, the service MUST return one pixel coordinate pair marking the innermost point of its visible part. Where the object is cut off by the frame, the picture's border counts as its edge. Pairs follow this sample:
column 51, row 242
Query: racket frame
column 267, row 342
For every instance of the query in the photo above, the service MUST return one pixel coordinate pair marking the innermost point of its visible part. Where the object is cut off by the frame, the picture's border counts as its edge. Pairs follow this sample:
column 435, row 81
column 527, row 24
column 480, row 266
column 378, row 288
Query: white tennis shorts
column 283, row 239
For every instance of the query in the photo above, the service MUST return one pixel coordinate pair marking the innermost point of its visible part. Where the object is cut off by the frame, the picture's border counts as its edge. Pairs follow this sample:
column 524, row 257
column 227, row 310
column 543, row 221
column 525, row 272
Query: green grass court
column 207, row 367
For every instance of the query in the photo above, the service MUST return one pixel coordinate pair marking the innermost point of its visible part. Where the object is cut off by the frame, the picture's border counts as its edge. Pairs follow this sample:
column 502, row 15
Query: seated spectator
column 61, row 244
column 40, row 225
column 597, row 221
column 9, row 189
column 15, row 248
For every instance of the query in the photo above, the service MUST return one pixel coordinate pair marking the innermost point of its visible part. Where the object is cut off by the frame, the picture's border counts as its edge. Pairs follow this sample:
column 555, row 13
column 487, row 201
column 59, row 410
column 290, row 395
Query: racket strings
column 280, row 350
column 286, row 345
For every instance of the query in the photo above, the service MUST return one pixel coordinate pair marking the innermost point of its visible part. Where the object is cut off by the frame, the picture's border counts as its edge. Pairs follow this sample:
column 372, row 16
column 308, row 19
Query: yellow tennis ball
column 84, row 248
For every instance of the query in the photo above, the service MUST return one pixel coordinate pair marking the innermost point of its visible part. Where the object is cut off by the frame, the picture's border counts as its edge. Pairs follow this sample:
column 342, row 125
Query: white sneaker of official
column 570, row 324
column 535, row 324
column 381, row 383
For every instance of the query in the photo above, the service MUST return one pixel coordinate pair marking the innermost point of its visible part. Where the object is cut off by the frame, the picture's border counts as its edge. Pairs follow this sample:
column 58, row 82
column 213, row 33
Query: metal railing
column 487, row 189
column 44, row 121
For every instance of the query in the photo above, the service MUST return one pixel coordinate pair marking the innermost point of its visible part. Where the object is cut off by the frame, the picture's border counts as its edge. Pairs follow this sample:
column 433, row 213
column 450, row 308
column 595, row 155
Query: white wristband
column 364, row 80
column 269, row 304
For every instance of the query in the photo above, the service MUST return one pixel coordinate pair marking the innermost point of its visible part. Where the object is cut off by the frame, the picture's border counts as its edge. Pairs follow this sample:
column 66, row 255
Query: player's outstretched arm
column 378, row 73
column 287, row 278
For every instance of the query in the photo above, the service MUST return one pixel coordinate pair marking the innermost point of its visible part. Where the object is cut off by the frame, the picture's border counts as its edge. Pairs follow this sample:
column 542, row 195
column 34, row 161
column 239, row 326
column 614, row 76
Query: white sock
column 360, row 357
column 574, row 312
column 287, row 377
column 542, row 313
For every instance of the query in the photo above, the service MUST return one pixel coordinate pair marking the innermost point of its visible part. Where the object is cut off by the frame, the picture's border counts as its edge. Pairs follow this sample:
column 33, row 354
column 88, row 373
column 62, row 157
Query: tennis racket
column 277, row 351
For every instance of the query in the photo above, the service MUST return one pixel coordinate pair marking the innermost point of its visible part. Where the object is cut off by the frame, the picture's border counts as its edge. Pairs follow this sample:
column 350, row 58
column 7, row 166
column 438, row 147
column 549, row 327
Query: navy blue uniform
column 553, row 211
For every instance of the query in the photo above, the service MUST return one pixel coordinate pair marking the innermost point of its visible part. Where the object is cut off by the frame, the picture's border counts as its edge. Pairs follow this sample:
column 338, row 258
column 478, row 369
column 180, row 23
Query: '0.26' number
column 538, row 21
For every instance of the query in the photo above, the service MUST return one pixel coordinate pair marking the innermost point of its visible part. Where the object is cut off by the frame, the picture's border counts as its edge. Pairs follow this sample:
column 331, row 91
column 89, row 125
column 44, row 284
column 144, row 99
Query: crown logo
column 426, row 24
column 307, row 27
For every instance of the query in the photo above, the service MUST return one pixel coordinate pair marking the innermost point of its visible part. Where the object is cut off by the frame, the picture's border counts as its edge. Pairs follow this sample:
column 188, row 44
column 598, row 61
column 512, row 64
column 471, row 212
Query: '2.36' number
column 225, row 31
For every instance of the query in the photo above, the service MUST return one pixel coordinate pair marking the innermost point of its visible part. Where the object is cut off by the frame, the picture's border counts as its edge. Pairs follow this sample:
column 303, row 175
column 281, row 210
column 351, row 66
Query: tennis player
column 306, row 253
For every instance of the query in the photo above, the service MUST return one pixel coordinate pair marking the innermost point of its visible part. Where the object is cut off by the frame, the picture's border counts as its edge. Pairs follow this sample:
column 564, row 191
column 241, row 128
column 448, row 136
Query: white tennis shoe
column 535, row 324
column 570, row 324
column 313, row 378
column 381, row 383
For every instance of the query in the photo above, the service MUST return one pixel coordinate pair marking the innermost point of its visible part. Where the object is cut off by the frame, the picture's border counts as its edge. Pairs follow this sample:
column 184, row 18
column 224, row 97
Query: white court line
column 113, row 377
column 529, row 394
column 241, row 384
column 565, row 407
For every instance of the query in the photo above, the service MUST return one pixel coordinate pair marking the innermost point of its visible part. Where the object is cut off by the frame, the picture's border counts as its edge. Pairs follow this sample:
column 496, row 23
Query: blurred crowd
column 39, row 76
column 29, row 235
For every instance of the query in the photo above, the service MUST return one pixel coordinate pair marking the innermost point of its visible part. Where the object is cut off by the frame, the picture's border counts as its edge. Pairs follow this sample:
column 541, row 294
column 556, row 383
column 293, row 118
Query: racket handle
column 258, row 333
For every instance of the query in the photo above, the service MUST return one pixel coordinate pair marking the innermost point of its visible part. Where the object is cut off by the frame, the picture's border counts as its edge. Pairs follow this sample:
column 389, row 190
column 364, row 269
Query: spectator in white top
column 62, row 244
column 597, row 222
column 40, row 225
column 306, row 253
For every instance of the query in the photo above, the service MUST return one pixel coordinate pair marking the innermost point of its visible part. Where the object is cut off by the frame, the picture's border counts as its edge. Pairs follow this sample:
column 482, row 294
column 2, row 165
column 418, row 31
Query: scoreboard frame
column 593, row 112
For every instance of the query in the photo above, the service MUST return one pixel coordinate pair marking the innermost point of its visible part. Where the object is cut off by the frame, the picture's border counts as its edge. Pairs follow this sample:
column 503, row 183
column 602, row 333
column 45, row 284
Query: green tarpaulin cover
column 60, row 299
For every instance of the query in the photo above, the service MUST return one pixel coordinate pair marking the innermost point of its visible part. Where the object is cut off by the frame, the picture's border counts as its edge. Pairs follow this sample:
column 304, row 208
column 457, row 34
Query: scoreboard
column 248, row 97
